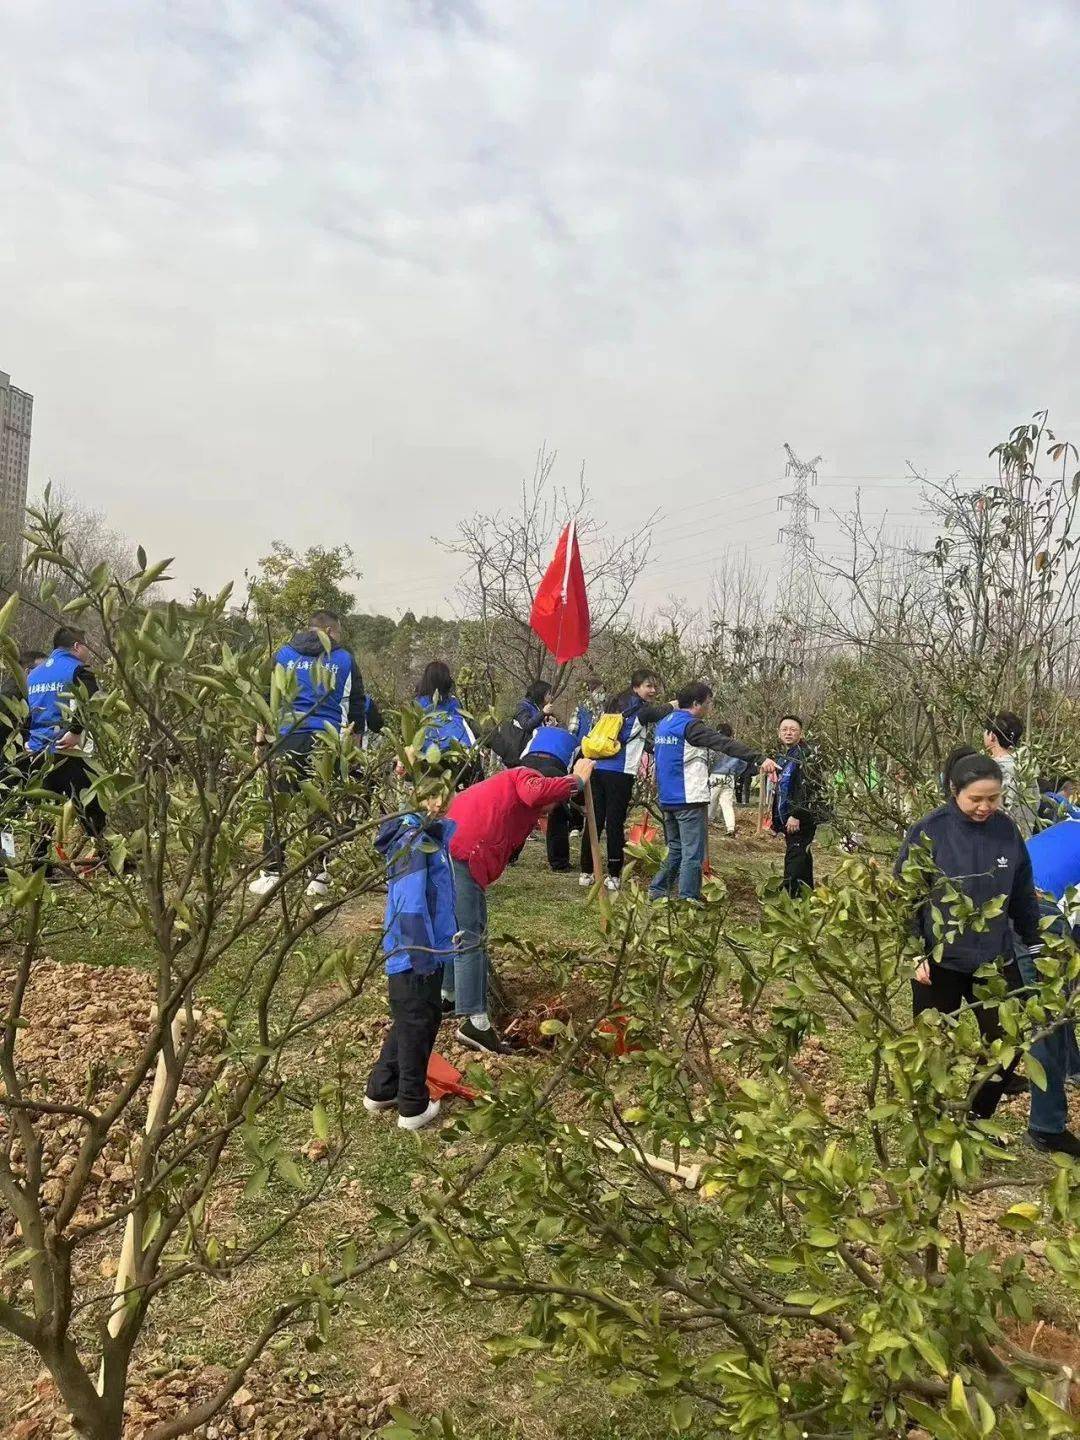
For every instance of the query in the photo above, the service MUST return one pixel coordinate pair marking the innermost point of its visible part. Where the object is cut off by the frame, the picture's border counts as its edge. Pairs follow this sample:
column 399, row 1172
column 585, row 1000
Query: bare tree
column 508, row 553
column 89, row 540
column 924, row 642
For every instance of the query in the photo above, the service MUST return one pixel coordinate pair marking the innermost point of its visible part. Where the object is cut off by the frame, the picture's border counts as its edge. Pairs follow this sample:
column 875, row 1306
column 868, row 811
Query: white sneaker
column 610, row 883
column 7, row 844
column 585, row 881
column 264, row 883
column 376, row 1107
column 320, row 885
column 417, row 1122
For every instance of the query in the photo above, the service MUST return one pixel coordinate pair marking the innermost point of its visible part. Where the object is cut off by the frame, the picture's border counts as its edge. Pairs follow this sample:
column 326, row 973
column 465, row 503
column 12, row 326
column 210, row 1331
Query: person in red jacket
column 493, row 820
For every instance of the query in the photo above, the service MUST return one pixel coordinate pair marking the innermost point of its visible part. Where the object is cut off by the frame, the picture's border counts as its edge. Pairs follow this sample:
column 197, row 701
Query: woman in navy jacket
column 979, row 850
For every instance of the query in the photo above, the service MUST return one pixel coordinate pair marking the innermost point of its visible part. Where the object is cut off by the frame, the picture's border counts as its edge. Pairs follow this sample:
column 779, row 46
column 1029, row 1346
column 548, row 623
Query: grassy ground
column 394, row 1338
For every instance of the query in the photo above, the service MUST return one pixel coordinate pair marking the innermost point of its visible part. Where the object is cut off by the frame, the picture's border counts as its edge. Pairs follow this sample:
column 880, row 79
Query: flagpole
column 590, row 808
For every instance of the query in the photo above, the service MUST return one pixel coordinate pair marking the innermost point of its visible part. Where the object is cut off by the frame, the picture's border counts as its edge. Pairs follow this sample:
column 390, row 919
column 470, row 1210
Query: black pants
column 288, row 764
column 947, row 991
column 400, row 1072
column 66, row 778
column 612, row 792
column 743, row 781
column 798, row 861
column 562, row 819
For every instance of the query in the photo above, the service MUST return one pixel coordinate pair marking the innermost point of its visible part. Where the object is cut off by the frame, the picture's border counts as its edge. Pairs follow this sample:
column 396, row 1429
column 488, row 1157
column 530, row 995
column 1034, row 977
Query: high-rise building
column 16, row 412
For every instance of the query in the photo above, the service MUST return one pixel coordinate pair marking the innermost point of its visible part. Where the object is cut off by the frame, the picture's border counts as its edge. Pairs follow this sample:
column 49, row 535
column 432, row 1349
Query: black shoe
column 1016, row 1085
column 447, row 1006
column 1063, row 1143
column 477, row 1039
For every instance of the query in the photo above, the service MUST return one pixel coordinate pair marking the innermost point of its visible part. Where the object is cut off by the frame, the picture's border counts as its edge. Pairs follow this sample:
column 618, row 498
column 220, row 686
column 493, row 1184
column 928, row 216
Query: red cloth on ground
column 496, row 817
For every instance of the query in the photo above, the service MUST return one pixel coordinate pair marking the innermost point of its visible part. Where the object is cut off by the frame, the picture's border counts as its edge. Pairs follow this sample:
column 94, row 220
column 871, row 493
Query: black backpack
column 507, row 741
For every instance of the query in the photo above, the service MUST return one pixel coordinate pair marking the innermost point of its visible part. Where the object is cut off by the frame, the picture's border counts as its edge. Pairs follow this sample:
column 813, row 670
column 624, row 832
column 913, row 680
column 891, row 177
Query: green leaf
column 682, row 1413
column 286, row 1167
column 1035, row 1072
column 823, row 1239
column 320, row 1122
column 885, row 1340
column 1019, row 1217
column 804, row 1297
column 932, row 1421
column 824, row 1306
column 1060, row 1422
column 930, row 1353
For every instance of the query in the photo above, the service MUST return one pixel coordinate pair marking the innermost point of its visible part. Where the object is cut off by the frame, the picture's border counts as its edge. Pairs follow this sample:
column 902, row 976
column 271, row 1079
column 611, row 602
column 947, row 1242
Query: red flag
column 560, row 612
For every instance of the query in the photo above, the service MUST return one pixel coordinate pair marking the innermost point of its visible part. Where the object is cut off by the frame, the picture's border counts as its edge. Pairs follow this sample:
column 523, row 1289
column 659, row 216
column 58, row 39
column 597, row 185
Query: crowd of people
column 578, row 773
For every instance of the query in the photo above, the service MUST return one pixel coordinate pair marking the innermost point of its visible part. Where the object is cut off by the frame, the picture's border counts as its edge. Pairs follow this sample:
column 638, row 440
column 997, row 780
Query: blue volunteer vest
column 1055, row 857
column 445, row 724
column 48, row 693
column 552, row 740
column 323, row 686
column 682, row 770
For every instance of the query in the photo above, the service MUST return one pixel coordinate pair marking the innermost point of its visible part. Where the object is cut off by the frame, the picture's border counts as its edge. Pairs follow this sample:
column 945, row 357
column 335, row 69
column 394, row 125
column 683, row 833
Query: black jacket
column 983, row 859
column 704, row 736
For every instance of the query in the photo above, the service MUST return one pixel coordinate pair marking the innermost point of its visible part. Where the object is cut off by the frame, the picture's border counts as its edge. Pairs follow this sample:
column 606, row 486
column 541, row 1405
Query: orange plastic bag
column 644, row 832
column 616, row 1025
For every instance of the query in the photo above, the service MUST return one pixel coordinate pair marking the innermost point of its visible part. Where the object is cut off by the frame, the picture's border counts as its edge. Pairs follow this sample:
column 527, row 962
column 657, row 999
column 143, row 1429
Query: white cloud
column 320, row 271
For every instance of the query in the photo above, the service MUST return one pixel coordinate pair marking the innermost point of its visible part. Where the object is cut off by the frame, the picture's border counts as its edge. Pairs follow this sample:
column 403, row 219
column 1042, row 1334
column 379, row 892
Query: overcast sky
column 325, row 271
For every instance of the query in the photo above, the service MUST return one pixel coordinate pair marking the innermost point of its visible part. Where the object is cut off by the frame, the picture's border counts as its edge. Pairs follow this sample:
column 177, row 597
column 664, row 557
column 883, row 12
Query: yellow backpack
column 602, row 741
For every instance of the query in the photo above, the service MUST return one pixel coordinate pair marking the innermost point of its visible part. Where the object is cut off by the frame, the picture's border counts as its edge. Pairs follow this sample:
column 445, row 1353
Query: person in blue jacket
column 445, row 724
column 57, row 744
column 551, row 751
column 1055, row 866
column 1058, row 801
column 329, row 697
column 534, row 709
column 418, row 936
column 977, row 848
column 682, row 750
column 797, row 805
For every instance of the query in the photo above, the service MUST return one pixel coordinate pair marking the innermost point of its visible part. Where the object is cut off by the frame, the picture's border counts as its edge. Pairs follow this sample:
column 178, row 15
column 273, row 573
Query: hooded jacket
column 496, row 817
column 421, row 917
column 984, row 859
column 330, row 688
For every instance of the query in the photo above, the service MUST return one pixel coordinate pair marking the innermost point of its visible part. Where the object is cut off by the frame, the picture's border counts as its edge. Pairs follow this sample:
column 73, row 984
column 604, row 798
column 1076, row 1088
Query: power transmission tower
column 796, row 590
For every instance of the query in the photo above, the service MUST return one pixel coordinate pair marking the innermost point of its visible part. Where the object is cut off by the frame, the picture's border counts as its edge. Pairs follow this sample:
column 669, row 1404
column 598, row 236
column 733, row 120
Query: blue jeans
column 1059, row 1056
column 686, row 832
column 465, row 976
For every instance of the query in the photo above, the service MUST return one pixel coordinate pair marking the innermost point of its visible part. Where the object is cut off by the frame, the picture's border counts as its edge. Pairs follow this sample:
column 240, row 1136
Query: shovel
column 445, row 1079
